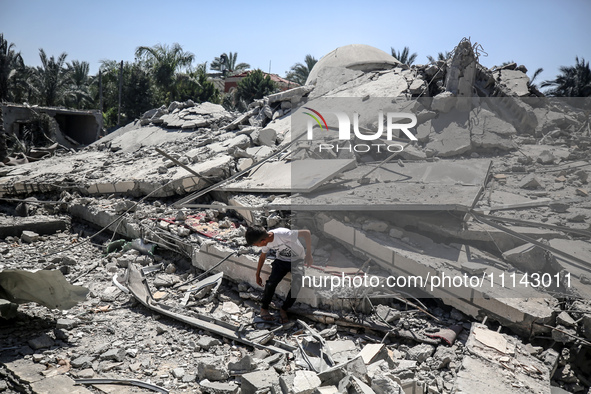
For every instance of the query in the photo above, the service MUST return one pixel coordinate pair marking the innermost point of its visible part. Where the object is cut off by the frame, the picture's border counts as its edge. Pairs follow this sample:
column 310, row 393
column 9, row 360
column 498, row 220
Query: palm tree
column 440, row 56
column 10, row 63
column 78, row 87
column 573, row 81
column 531, row 83
column 165, row 62
column 230, row 63
column 51, row 78
column 404, row 57
column 299, row 72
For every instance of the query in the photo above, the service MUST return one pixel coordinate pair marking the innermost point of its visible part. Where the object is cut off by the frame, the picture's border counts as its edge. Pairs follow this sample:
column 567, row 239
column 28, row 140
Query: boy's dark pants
column 280, row 268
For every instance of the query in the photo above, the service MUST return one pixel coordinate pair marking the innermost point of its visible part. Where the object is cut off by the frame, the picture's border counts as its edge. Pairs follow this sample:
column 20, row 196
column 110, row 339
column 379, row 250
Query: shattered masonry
column 495, row 185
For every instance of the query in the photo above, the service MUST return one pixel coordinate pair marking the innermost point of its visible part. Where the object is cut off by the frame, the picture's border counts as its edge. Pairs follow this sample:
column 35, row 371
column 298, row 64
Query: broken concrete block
column 255, row 382
column 82, row 362
column 563, row 334
column 29, row 237
column 114, row 354
column 178, row 372
column 420, row 352
column 267, row 136
column 565, row 319
column 40, row 342
column 259, row 153
column 58, row 384
column 295, row 93
column 244, row 365
column 443, row 102
column 382, row 384
column 212, row 368
column 527, row 257
column 373, row 352
column 303, row 382
column 335, row 374
column 218, row 387
column 327, row 390
column 206, row 342
column 558, row 207
column 389, row 315
column 375, row 225
column 67, row 324
column 546, row 157
column 342, row 351
column 530, row 182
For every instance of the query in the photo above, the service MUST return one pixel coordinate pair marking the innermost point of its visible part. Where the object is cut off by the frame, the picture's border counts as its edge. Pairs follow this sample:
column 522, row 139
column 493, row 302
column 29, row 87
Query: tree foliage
column 440, row 56
column 254, row 86
column 573, row 81
column 51, row 79
column 165, row 62
column 299, row 72
column 231, row 65
column 10, row 64
column 404, row 57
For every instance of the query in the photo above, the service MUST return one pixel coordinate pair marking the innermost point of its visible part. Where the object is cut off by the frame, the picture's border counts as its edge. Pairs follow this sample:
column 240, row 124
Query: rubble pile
column 147, row 226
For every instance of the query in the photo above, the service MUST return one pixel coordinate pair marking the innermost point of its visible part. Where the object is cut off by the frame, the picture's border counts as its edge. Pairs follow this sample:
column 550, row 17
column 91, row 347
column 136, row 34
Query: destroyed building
column 472, row 175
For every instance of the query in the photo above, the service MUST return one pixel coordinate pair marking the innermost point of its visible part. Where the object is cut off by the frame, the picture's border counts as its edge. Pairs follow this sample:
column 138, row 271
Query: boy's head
column 257, row 236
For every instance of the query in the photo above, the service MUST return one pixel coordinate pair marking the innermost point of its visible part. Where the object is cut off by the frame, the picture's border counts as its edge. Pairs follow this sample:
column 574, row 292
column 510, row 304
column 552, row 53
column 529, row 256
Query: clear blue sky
column 536, row 33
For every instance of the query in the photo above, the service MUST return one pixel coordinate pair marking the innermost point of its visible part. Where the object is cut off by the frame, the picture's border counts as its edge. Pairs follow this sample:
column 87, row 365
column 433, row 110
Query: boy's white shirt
column 286, row 244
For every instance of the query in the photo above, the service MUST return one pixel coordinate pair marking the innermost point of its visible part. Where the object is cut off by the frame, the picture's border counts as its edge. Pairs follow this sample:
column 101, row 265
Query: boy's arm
column 307, row 236
column 262, row 258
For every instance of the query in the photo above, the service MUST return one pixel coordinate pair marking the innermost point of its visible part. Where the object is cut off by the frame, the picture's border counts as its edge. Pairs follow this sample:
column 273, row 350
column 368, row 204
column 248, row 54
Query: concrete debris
column 173, row 192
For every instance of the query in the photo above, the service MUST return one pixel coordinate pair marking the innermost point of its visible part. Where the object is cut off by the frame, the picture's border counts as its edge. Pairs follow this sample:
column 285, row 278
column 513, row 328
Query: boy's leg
column 279, row 269
column 296, row 285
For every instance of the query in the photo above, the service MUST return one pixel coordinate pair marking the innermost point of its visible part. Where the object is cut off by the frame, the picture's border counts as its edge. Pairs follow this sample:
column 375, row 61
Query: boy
column 289, row 252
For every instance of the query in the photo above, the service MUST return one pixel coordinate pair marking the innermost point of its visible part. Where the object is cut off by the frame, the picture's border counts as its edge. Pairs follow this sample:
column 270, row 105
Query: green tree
column 573, row 81
column 231, row 64
column 440, row 56
column 531, row 83
column 404, row 57
column 165, row 62
column 254, row 86
column 78, row 88
column 137, row 91
column 299, row 72
column 10, row 64
column 51, row 79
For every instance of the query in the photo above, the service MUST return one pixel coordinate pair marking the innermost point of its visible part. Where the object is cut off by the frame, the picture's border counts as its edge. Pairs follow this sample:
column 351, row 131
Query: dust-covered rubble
column 172, row 298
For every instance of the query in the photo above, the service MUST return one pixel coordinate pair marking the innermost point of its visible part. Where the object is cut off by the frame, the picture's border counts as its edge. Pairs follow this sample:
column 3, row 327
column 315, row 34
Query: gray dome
column 355, row 56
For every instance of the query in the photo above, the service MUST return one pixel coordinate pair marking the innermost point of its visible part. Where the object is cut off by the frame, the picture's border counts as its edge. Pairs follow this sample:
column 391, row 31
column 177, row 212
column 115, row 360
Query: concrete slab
column 14, row 226
column 416, row 186
column 490, row 355
column 514, row 306
column 296, row 176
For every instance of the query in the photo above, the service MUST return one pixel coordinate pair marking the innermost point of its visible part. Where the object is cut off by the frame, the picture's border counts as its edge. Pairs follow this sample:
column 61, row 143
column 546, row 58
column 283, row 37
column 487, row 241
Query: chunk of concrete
column 527, row 257
column 342, row 351
column 218, row 387
column 530, row 182
column 212, row 368
column 373, row 352
column 383, row 384
column 255, row 382
column 267, row 136
column 29, row 237
column 334, row 375
column 420, row 352
column 40, row 342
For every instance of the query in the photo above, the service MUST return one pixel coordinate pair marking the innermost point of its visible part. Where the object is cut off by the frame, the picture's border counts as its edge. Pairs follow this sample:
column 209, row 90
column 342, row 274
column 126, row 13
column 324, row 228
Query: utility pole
column 100, row 102
column 120, row 89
